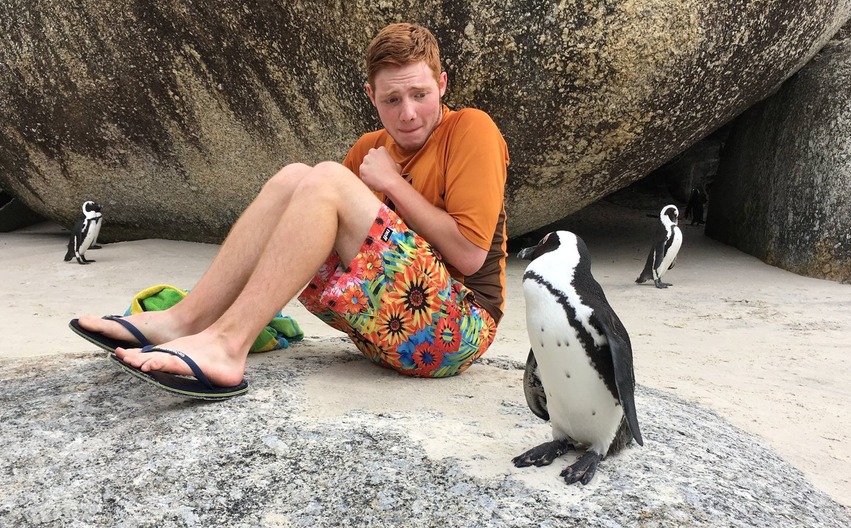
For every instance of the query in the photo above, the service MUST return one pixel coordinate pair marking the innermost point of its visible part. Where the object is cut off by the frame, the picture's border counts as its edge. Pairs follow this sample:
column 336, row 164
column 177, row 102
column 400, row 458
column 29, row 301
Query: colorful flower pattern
column 398, row 304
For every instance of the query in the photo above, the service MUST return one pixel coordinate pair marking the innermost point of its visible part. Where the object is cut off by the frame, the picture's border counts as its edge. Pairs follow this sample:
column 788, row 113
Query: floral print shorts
column 399, row 305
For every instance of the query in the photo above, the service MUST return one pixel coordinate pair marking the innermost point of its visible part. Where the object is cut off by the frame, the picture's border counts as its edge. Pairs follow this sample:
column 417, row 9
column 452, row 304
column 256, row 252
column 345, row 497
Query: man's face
column 408, row 102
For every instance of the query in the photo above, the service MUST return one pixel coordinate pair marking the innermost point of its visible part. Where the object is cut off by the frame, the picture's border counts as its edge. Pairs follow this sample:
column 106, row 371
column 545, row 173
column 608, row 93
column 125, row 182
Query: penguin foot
column 583, row 470
column 661, row 285
column 543, row 455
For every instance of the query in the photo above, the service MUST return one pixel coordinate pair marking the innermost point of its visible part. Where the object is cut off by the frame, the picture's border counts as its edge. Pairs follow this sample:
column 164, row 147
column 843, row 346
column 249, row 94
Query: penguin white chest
column 579, row 403
column 90, row 232
column 97, row 222
column 671, row 253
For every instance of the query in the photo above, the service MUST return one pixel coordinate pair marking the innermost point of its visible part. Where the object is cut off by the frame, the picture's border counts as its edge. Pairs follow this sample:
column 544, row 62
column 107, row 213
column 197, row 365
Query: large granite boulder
column 324, row 438
column 174, row 114
column 784, row 186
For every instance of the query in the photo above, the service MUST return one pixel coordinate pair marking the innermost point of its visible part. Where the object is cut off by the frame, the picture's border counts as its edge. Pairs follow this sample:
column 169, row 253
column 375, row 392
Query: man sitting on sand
column 413, row 221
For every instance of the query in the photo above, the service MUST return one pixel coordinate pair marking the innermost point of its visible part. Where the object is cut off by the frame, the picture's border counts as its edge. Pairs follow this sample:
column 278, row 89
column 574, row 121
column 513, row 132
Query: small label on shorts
column 386, row 235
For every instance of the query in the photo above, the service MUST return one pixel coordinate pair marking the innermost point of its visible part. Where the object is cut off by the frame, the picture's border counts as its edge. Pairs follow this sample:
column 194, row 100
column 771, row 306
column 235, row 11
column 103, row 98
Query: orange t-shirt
column 461, row 169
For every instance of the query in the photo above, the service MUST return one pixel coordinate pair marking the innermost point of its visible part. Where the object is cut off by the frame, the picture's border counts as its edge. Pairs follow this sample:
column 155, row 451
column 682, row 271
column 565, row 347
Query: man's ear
column 442, row 83
column 369, row 93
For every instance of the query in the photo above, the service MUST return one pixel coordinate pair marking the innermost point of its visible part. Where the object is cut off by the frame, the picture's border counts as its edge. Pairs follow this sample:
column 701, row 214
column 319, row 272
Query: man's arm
column 380, row 173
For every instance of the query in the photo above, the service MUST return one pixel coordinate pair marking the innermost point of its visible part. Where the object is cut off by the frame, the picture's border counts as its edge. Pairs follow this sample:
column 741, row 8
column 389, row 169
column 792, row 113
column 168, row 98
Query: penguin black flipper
column 657, row 253
column 672, row 263
column 533, row 389
column 71, row 250
column 647, row 272
column 621, row 350
column 74, row 241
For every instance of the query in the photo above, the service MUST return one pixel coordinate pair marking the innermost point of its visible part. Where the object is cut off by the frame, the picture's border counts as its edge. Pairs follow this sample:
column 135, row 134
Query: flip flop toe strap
column 199, row 374
column 140, row 337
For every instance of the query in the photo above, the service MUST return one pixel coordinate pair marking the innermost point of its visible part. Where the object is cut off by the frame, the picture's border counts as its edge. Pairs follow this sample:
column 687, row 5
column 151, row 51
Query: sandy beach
column 767, row 350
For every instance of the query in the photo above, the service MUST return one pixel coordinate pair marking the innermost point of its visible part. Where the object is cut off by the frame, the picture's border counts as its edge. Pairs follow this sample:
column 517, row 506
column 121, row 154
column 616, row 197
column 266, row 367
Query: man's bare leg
column 227, row 274
column 331, row 209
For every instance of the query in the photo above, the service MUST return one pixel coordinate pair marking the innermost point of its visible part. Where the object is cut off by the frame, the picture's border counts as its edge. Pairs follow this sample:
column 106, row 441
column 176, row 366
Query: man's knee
column 331, row 178
column 327, row 181
column 286, row 179
column 338, row 171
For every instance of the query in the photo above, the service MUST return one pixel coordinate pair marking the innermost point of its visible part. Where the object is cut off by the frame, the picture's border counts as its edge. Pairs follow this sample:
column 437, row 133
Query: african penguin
column 663, row 252
column 694, row 208
column 579, row 372
column 85, row 232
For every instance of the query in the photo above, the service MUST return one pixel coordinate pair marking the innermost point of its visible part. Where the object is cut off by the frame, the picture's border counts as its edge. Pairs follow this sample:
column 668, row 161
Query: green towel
column 278, row 334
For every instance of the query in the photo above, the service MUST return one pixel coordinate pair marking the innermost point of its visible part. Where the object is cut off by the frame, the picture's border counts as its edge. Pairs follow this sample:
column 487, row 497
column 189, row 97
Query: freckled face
column 408, row 102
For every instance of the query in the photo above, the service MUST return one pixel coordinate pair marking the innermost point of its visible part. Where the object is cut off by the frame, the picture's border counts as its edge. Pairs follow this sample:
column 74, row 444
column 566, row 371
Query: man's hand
column 378, row 170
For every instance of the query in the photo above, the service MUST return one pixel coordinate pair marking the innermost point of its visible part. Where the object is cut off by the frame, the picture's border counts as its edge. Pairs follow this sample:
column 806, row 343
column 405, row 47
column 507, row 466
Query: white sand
column 768, row 350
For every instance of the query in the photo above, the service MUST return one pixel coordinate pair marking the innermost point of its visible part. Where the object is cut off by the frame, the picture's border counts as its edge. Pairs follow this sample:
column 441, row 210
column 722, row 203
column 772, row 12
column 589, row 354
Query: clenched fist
column 378, row 169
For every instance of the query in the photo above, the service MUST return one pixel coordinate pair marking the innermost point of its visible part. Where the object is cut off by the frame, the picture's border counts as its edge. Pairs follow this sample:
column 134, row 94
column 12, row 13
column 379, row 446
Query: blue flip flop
column 107, row 343
column 198, row 387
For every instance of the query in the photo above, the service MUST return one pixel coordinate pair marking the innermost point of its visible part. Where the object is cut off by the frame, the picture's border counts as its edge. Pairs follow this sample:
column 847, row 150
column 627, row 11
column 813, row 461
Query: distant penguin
column 663, row 252
column 579, row 372
column 694, row 208
column 85, row 232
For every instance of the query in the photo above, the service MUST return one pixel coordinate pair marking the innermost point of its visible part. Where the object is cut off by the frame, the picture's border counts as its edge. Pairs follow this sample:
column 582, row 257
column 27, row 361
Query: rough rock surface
column 85, row 444
column 173, row 115
column 782, row 193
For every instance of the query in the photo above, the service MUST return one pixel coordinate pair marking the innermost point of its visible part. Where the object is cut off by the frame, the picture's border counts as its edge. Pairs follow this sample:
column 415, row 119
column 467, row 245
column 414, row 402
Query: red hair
column 399, row 45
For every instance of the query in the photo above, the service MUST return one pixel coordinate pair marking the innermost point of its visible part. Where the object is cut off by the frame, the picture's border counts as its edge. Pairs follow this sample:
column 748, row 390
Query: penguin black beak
column 548, row 243
column 526, row 253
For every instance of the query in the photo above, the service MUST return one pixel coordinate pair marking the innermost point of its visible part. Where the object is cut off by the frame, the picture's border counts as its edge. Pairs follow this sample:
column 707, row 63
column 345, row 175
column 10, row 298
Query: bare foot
column 222, row 367
column 158, row 327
